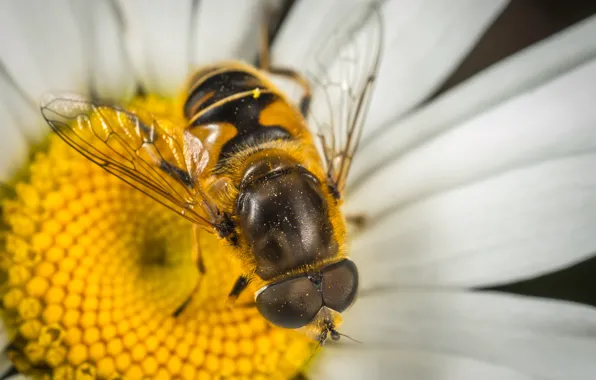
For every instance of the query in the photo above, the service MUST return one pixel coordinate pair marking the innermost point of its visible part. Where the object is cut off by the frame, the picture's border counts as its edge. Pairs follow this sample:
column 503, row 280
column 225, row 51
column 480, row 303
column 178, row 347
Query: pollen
column 92, row 272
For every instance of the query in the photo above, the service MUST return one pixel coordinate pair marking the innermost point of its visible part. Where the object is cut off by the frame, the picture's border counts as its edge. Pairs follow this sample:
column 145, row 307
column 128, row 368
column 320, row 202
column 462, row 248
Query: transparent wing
column 342, row 72
column 163, row 161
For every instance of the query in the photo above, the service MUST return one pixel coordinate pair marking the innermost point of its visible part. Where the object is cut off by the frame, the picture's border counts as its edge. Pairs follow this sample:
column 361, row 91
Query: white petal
column 41, row 46
column 157, row 37
column 518, row 225
column 41, row 49
column 4, row 338
column 514, row 226
column 13, row 152
column 424, row 42
column 165, row 37
column 543, row 339
column 23, row 112
column 5, row 364
column 522, row 72
column 111, row 71
column 300, row 29
column 372, row 364
column 228, row 29
column 551, row 121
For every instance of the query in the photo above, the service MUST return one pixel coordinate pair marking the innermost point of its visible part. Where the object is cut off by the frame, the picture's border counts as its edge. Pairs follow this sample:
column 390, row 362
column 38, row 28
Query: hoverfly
column 244, row 165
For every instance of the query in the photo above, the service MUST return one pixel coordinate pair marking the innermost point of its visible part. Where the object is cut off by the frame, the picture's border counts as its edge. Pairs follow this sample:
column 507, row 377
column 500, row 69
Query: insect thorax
column 283, row 213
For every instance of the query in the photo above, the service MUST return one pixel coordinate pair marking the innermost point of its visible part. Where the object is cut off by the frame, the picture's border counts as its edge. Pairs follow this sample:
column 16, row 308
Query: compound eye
column 340, row 285
column 292, row 303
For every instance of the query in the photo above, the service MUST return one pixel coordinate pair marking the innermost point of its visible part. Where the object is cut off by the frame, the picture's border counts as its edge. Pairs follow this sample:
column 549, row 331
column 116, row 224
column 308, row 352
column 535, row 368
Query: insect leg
column 357, row 220
column 196, row 246
column 239, row 286
column 186, row 302
column 301, row 81
column 182, row 307
column 264, row 63
column 264, row 40
column 300, row 376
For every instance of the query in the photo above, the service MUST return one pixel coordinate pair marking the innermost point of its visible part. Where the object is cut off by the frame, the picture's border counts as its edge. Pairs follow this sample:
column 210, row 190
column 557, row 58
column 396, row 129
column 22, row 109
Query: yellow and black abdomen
column 232, row 107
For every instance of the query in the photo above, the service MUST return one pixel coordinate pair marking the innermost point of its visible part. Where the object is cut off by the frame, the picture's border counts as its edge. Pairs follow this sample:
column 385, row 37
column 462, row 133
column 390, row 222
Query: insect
column 244, row 165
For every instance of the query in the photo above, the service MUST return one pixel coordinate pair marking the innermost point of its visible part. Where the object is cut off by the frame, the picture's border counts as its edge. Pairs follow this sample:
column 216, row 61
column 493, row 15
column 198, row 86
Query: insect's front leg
column 239, row 286
column 196, row 249
column 198, row 259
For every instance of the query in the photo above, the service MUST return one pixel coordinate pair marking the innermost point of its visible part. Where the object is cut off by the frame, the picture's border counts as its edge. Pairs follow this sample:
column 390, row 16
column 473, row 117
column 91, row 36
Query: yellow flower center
column 93, row 270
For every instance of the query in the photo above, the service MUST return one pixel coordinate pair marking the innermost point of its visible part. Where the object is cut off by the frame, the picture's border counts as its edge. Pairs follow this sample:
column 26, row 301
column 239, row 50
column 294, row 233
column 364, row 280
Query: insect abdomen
column 237, row 98
column 215, row 84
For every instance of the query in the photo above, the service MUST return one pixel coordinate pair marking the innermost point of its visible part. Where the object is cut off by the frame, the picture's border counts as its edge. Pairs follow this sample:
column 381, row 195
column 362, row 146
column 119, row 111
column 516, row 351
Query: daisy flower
column 489, row 183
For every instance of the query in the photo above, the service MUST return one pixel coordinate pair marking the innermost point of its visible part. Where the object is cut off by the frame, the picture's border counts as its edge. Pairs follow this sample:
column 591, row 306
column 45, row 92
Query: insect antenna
column 335, row 335
column 350, row 338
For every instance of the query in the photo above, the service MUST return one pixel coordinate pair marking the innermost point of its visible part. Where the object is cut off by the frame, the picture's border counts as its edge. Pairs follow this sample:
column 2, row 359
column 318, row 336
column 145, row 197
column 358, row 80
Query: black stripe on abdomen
column 243, row 113
column 220, row 85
